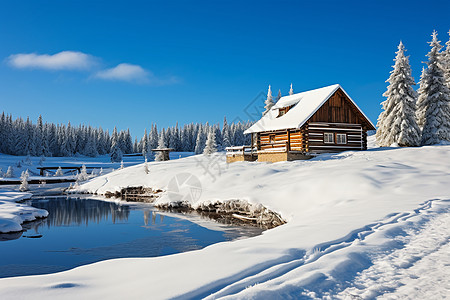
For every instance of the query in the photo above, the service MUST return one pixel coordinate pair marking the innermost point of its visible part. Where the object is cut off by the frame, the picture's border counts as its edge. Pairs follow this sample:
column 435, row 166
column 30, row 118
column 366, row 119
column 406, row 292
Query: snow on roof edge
column 302, row 122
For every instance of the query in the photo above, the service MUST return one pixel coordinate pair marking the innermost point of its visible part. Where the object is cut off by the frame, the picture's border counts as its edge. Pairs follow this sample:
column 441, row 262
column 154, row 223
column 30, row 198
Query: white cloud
column 125, row 72
column 64, row 60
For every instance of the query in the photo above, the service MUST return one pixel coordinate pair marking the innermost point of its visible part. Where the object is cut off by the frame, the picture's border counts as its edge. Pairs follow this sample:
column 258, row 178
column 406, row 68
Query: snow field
column 342, row 210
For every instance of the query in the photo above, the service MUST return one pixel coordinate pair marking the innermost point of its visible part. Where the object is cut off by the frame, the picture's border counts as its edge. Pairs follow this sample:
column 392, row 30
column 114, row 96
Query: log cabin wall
column 273, row 140
column 341, row 137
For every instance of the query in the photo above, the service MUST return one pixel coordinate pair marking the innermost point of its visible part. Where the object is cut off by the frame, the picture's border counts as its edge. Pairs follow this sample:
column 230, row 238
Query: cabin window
column 341, row 138
column 328, row 138
column 272, row 138
column 281, row 112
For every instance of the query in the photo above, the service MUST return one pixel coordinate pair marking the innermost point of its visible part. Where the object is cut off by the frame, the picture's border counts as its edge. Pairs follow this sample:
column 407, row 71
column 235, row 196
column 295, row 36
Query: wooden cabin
column 302, row 125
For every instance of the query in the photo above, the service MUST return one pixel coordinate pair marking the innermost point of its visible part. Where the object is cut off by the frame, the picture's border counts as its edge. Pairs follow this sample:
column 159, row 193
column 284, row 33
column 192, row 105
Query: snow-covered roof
column 305, row 105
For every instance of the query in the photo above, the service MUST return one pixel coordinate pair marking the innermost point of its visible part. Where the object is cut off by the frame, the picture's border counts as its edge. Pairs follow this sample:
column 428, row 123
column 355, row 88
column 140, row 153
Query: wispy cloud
column 64, row 60
column 133, row 73
column 124, row 72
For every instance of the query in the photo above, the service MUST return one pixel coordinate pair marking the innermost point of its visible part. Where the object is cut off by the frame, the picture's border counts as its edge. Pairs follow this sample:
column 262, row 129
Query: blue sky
column 131, row 63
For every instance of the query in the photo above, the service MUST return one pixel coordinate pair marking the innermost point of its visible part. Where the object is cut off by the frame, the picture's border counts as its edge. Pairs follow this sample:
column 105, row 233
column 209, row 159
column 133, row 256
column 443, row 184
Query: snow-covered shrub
column 24, row 181
column 59, row 172
column 146, row 170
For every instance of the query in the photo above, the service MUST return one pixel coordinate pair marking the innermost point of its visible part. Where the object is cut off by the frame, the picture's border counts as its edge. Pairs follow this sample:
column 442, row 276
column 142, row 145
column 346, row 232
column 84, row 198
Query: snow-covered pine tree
column 90, row 148
column 145, row 144
column 434, row 99
column 59, row 172
column 397, row 123
column 201, row 139
column 279, row 95
column 225, row 134
column 269, row 101
column 211, row 145
column 24, row 181
column 9, row 173
column 116, row 153
column 128, row 142
column 83, row 175
column 153, row 137
column 161, row 145
column 291, row 90
column 446, row 61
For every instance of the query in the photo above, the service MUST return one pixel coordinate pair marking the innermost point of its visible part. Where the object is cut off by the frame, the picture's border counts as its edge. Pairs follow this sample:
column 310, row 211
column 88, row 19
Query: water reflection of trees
column 64, row 212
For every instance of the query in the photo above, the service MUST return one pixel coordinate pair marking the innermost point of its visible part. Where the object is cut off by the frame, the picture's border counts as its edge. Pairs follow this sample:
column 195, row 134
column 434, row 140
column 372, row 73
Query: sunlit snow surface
column 360, row 224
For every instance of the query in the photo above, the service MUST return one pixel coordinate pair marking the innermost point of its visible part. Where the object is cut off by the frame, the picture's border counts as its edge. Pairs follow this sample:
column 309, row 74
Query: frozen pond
column 83, row 231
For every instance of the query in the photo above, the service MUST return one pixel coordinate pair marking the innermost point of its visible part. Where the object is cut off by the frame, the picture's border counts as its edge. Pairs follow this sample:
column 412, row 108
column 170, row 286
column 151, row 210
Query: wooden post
column 288, row 146
column 258, row 141
column 251, row 145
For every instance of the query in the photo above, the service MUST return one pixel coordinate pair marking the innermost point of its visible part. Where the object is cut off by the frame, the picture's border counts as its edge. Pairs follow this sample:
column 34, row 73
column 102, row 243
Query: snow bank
column 339, row 207
column 13, row 214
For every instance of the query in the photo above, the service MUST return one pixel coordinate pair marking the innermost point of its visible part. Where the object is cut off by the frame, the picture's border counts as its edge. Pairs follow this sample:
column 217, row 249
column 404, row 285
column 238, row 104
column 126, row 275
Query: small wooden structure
column 165, row 152
column 303, row 125
column 70, row 168
column 241, row 153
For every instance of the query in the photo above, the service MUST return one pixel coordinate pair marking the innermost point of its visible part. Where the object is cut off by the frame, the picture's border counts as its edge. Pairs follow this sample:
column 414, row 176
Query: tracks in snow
column 272, row 270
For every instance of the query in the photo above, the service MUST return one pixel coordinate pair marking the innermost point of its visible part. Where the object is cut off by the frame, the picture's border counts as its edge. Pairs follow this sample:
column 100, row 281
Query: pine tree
column 9, row 173
column 154, row 138
column 446, row 62
column 434, row 99
column 24, row 181
column 145, row 144
column 279, row 95
column 397, row 124
column 269, row 101
column 211, row 146
column 201, row 139
column 116, row 154
column 161, row 145
column 82, row 176
column 291, row 91
column 225, row 134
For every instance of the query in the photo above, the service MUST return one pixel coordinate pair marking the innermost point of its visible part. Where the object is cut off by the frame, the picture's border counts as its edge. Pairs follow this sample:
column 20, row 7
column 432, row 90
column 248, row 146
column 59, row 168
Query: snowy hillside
column 381, row 212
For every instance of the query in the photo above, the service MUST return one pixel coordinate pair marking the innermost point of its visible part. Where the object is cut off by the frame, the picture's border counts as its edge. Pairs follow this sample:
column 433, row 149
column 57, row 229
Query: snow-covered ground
column 22, row 163
column 359, row 224
column 13, row 214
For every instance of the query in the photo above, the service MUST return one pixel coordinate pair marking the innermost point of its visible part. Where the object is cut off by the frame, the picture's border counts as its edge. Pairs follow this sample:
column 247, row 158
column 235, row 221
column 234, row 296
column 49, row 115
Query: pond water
column 82, row 231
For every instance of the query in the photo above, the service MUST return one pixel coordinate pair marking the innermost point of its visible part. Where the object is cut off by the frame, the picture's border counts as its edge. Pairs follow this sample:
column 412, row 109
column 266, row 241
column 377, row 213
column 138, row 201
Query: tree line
column 411, row 118
column 23, row 137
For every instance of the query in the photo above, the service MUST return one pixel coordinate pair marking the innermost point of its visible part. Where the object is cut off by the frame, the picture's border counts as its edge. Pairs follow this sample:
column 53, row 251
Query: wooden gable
column 340, row 109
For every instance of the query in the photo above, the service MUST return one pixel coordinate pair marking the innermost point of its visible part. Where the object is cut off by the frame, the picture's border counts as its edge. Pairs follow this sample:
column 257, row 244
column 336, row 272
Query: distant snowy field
column 360, row 224
column 22, row 163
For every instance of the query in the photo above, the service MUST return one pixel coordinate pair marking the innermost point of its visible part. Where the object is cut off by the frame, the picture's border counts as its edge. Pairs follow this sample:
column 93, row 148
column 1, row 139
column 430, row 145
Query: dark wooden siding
column 340, row 109
column 355, row 137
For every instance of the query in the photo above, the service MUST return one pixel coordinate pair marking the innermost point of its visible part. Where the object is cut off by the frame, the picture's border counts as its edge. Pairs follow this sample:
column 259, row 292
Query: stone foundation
column 281, row 156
